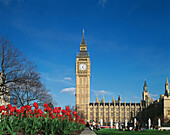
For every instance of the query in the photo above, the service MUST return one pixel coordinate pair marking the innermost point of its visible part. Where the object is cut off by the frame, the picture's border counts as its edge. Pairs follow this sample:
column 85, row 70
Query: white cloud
column 102, row 2
column 101, row 92
column 70, row 90
column 153, row 95
column 135, row 97
column 68, row 78
column 5, row 2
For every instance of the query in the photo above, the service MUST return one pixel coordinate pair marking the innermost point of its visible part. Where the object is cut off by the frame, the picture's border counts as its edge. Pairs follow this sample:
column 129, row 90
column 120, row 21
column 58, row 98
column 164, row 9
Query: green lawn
column 116, row 132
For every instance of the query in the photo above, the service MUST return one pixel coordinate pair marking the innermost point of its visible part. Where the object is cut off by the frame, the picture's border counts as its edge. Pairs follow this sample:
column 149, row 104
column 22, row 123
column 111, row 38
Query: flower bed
column 108, row 127
column 35, row 121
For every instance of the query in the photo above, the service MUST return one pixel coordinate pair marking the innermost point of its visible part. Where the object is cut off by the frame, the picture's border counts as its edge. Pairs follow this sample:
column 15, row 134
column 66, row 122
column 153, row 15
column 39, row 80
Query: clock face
column 82, row 67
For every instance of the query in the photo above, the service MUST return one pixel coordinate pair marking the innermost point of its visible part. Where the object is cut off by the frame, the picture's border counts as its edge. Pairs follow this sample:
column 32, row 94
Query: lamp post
column 149, row 123
column 135, row 122
column 159, row 122
column 111, row 122
column 126, row 123
column 101, row 122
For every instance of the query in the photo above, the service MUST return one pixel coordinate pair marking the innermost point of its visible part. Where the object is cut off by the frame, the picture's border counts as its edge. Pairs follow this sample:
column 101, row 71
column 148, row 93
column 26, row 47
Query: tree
column 21, row 76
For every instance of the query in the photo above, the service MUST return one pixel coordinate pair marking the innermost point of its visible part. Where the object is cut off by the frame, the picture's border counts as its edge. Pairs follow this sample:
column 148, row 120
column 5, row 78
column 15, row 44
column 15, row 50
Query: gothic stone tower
column 83, row 80
column 145, row 95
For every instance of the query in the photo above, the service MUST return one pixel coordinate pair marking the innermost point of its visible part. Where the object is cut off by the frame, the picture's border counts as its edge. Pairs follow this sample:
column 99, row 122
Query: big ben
column 83, row 80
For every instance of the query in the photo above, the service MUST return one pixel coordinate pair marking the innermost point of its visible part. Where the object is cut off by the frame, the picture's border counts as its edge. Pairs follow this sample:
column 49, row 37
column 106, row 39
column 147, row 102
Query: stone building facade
column 158, row 109
column 116, row 110
column 4, row 92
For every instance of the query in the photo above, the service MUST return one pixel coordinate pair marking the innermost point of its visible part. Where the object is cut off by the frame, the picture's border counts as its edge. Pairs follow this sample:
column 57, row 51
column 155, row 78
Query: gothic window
column 106, row 119
column 80, row 81
column 106, row 109
column 101, row 114
column 122, row 109
column 96, row 114
column 85, row 100
column 111, row 114
column 127, row 114
column 96, row 109
column 91, row 109
column 84, row 81
column 117, row 114
column 101, row 109
column 117, row 109
column 112, row 109
column 91, row 114
column 106, row 114
column 122, row 114
column 127, row 109
column 168, row 112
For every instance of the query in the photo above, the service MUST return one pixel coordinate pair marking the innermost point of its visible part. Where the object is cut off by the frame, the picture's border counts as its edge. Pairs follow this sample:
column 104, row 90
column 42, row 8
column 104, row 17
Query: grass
column 117, row 132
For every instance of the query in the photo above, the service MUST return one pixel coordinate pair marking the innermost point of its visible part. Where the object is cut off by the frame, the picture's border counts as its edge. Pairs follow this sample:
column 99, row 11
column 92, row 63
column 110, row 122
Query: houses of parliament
column 117, row 110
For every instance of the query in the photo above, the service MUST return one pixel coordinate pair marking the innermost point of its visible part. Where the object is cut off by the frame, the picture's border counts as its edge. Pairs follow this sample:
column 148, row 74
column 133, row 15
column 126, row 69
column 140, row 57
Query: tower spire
column 119, row 98
column 145, row 86
column 113, row 99
column 103, row 99
column 166, row 87
column 83, row 48
column 83, row 40
column 83, row 32
column 167, row 80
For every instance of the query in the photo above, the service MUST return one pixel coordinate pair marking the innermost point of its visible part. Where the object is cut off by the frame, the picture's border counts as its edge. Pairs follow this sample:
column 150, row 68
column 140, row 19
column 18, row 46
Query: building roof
column 83, row 53
column 116, row 104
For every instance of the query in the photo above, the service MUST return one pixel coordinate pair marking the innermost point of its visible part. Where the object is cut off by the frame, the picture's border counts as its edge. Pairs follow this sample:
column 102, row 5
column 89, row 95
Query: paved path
column 87, row 131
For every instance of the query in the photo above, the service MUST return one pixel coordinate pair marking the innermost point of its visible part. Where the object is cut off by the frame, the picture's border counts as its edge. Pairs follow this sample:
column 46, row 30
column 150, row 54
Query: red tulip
column 54, row 111
column 35, row 105
column 3, row 108
column 46, row 105
column 53, row 117
column 35, row 111
column 48, row 109
column 63, row 111
column 67, row 108
column 45, row 109
column 78, row 117
column 74, row 113
column 22, row 109
column 58, row 111
column 12, row 110
column 69, row 111
column 18, row 111
column 9, row 106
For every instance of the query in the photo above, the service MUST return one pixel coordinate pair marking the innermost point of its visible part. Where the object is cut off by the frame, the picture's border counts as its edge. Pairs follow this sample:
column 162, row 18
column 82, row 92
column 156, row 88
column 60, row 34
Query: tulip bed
column 35, row 121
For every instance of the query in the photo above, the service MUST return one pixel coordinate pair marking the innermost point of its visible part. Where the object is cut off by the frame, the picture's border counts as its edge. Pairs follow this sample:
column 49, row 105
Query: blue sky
column 128, row 42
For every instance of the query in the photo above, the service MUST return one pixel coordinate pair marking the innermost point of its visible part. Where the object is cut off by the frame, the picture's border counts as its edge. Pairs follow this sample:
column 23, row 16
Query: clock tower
column 83, row 80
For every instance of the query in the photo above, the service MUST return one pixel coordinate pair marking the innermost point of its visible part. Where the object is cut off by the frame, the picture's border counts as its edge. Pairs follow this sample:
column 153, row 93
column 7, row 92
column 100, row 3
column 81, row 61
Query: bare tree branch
column 21, row 76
